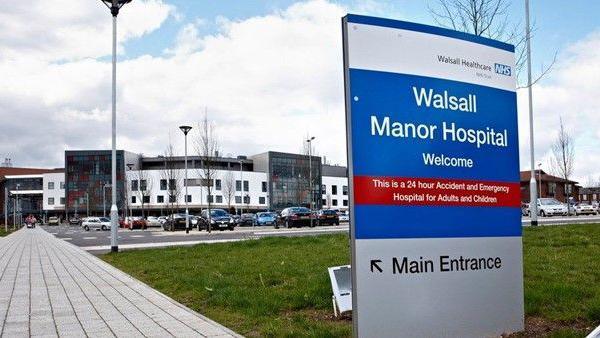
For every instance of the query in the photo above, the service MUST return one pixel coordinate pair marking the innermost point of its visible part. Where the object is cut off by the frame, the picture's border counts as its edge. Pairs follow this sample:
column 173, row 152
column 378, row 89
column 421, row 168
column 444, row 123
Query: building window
column 210, row 199
column 160, row 199
column 62, row 185
column 323, row 189
column 323, row 202
column 262, row 200
column 62, row 201
column 264, row 186
column 345, row 203
column 172, row 199
column 133, row 199
column 50, row 200
column 246, row 186
column 219, row 199
column 334, row 190
column 143, row 185
column 188, row 198
column 552, row 188
column 172, row 184
column 50, row 185
column 247, row 199
column 334, row 202
column 345, row 190
column 238, row 185
column 217, row 184
column 163, row 184
column 595, row 196
column 134, row 185
column 146, row 199
column 568, row 189
column 238, row 199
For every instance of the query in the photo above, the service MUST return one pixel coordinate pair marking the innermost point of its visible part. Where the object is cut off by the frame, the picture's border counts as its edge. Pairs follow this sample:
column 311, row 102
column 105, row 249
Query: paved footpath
column 51, row 288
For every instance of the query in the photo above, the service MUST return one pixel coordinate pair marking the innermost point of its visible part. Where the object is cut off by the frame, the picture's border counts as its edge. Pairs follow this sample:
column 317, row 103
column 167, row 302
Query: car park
column 584, row 209
column 53, row 220
column 551, row 207
column 219, row 220
column 327, row 217
column 175, row 222
column 132, row 223
column 294, row 217
column 97, row 223
column 265, row 218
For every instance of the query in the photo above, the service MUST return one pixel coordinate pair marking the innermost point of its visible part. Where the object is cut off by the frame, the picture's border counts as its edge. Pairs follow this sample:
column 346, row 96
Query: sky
column 266, row 73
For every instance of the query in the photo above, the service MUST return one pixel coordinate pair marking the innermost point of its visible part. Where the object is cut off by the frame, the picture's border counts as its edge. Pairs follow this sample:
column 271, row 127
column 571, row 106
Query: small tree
column 229, row 188
column 144, row 188
column 172, row 175
column 207, row 147
column 563, row 158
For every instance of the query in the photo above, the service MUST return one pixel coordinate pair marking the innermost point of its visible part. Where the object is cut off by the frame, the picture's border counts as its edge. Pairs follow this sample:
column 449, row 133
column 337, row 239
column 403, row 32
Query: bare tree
column 490, row 19
column 563, row 158
column 207, row 147
column 229, row 188
column 144, row 188
column 172, row 176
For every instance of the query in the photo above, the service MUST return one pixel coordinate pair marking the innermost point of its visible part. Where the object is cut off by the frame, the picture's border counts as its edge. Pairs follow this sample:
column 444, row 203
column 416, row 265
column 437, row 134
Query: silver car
column 97, row 223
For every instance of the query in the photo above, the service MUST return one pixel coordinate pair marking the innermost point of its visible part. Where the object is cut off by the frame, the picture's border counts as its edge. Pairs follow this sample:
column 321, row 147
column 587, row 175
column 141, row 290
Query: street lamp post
column 104, row 186
column 186, row 130
column 241, row 188
column 114, row 6
column 128, row 209
column 532, row 182
column 310, row 182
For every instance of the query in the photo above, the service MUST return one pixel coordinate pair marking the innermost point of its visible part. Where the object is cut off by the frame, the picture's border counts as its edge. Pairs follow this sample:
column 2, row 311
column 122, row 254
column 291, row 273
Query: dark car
column 294, row 217
column 176, row 222
column 75, row 221
column 219, row 220
column 246, row 220
column 328, row 217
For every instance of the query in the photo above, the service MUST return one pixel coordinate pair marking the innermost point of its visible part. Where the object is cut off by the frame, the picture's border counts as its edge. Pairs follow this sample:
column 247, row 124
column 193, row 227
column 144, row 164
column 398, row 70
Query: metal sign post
column 433, row 166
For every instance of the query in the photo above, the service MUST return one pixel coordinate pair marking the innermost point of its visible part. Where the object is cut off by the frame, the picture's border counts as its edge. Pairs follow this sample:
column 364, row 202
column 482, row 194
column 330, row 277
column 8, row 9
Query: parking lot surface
column 97, row 241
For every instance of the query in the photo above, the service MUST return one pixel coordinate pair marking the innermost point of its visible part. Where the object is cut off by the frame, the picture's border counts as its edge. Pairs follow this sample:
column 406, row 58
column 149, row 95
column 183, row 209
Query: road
column 98, row 242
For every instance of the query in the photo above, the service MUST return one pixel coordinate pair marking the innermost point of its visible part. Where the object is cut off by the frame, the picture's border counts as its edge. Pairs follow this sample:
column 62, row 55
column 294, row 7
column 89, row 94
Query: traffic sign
column 434, row 178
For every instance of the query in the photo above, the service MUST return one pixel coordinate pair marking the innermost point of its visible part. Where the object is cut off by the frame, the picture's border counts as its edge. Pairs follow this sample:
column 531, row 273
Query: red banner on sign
column 433, row 191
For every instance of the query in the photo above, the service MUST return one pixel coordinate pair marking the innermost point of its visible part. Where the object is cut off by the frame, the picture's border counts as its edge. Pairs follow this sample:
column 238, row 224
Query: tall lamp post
column 186, row 130
column 241, row 188
column 114, row 6
column 310, row 182
column 532, row 182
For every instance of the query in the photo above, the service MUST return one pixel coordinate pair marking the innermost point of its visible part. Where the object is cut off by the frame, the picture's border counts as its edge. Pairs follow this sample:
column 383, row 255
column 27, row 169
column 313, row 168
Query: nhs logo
column 502, row 69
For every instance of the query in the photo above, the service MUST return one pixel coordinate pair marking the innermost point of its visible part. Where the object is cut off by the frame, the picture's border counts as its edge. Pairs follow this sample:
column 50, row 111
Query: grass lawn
column 280, row 287
column 5, row 233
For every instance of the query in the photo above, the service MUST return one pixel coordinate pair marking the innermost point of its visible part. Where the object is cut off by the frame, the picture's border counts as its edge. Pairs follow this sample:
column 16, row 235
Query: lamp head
column 185, row 129
column 115, row 5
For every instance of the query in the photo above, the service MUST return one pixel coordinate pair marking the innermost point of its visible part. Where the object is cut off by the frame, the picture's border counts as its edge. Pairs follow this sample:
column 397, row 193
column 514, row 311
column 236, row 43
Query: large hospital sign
column 434, row 174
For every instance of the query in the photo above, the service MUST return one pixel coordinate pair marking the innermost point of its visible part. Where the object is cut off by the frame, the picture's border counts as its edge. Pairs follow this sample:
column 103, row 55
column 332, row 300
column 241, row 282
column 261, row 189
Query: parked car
column 162, row 219
column 174, row 222
column 75, row 221
column 294, row 217
column 219, row 220
column 525, row 209
column 345, row 216
column 53, row 220
column 246, row 220
column 327, row 217
column 153, row 221
column 102, row 223
column 265, row 218
column 132, row 223
column 584, row 209
column 551, row 207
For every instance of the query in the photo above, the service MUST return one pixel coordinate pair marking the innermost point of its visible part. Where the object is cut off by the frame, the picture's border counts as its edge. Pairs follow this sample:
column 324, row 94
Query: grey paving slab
column 51, row 288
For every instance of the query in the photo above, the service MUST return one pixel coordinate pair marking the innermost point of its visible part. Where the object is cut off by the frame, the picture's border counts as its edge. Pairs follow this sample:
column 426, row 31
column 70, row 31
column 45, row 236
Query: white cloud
column 571, row 92
column 63, row 30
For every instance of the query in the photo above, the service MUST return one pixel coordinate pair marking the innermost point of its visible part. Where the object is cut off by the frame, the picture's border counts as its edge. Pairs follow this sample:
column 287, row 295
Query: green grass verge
column 279, row 287
column 5, row 233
